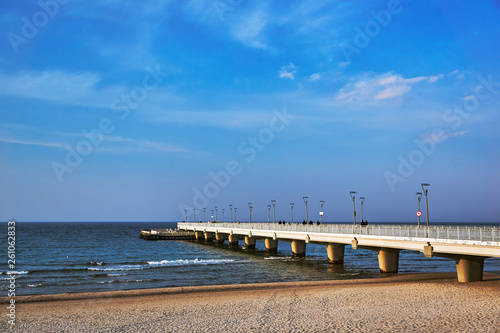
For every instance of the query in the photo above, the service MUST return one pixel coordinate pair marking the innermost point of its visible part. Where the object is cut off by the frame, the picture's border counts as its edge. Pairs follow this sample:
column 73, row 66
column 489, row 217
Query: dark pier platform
column 167, row 234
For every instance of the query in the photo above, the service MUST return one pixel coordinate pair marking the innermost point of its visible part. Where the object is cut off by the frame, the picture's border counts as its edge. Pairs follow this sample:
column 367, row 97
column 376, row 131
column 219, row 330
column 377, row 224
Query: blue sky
column 127, row 111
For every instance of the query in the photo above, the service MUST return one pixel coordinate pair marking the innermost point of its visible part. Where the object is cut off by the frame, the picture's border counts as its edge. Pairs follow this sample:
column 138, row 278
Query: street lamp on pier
column 231, row 209
column 235, row 219
column 321, row 210
column 426, row 201
column 291, row 212
column 212, row 216
column 250, row 209
column 268, row 213
column 216, row 216
column 307, row 213
column 273, row 202
column 194, row 215
column 204, row 215
column 362, row 202
column 353, row 197
column 223, row 215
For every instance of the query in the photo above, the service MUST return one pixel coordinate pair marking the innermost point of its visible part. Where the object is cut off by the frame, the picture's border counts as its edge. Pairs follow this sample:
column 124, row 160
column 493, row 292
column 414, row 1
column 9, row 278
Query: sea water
column 74, row 257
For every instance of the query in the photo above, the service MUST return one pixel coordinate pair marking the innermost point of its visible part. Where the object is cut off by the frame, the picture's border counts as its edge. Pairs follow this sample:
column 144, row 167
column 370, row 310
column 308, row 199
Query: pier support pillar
column 388, row 260
column 335, row 253
column 250, row 242
column 233, row 240
column 209, row 236
column 219, row 238
column 199, row 235
column 469, row 268
column 299, row 248
column 271, row 245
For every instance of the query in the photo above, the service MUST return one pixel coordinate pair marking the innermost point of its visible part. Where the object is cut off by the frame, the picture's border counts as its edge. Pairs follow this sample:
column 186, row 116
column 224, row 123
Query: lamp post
column 204, row 215
column 307, row 213
column 250, row 209
column 353, row 197
column 235, row 214
column 185, row 215
column 222, row 215
column 426, row 201
column 231, row 209
column 194, row 215
column 362, row 199
column 291, row 212
column 268, row 213
column 273, row 202
column 321, row 210
column 212, row 215
column 216, row 215
column 419, row 197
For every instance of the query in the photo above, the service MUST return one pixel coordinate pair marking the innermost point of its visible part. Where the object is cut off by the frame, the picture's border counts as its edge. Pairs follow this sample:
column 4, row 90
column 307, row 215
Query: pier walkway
column 469, row 246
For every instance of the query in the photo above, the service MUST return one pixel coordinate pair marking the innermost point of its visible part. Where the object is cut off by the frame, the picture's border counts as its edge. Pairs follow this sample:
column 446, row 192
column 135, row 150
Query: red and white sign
column 419, row 213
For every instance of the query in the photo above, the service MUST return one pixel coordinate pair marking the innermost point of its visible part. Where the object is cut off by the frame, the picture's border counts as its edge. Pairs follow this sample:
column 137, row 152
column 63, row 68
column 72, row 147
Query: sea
column 53, row 258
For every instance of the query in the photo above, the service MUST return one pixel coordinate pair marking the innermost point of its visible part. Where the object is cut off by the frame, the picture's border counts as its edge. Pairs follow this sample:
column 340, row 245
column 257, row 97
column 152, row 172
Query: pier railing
column 465, row 233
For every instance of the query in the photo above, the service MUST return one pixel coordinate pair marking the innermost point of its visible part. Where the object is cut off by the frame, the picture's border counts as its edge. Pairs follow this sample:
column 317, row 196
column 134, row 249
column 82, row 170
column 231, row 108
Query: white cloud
column 20, row 134
column 343, row 64
column 370, row 88
column 314, row 77
column 288, row 72
column 442, row 136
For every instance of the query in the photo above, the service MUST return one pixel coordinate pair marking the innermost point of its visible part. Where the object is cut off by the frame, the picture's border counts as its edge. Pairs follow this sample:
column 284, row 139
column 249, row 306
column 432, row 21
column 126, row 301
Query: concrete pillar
column 219, row 238
column 299, row 248
column 199, row 235
column 388, row 260
column 250, row 242
column 469, row 268
column 233, row 240
column 335, row 253
column 271, row 245
column 209, row 236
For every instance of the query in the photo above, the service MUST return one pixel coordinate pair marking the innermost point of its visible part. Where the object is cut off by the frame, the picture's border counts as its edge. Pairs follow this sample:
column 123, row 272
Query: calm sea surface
column 81, row 257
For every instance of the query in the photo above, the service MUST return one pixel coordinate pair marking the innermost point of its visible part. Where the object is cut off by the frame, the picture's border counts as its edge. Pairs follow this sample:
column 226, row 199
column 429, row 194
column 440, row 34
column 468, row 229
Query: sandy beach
column 400, row 303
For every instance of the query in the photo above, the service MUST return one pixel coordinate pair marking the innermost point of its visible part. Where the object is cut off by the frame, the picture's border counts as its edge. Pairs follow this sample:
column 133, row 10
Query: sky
column 128, row 111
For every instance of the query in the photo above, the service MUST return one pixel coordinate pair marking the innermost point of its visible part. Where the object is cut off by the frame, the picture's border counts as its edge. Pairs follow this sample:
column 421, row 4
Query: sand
column 401, row 303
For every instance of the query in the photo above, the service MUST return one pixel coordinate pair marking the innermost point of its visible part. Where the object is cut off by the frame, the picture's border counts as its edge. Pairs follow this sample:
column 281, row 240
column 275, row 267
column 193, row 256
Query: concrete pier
column 250, row 242
column 219, row 238
column 298, row 248
column 209, row 236
column 388, row 260
column 199, row 235
column 233, row 240
column 271, row 245
column 335, row 253
column 468, row 246
column 469, row 268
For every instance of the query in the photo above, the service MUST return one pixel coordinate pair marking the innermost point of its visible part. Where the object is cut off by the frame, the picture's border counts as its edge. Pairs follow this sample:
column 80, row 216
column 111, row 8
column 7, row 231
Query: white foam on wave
column 182, row 262
column 116, row 268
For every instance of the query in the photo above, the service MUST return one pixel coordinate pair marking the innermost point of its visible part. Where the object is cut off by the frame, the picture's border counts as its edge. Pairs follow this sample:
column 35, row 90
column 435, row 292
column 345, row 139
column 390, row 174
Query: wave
column 116, row 268
column 183, row 262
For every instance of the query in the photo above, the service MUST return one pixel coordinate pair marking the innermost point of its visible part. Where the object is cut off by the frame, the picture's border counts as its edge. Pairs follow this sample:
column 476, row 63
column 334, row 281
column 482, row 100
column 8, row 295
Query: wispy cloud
column 314, row 77
column 437, row 138
column 110, row 143
column 288, row 71
column 370, row 88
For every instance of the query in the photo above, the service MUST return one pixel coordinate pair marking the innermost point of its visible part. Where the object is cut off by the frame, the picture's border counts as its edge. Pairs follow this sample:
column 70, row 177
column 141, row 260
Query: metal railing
column 465, row 233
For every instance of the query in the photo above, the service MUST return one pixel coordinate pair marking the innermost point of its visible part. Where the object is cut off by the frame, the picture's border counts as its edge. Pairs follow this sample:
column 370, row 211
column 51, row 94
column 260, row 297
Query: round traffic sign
column 419, row 213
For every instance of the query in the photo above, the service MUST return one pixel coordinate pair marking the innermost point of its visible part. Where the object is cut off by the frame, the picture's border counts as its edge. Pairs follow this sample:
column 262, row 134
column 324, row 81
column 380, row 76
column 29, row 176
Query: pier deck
column 167, row 234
